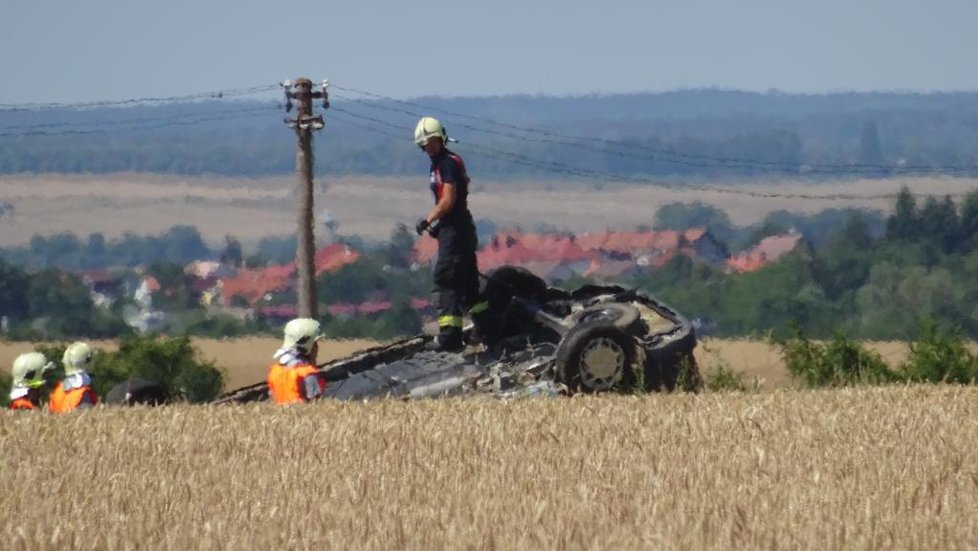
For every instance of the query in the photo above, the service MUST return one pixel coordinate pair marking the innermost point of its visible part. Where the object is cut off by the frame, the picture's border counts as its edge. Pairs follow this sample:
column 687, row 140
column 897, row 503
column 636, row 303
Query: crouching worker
column 75, row 390
column 28, row 378
column 294, row 376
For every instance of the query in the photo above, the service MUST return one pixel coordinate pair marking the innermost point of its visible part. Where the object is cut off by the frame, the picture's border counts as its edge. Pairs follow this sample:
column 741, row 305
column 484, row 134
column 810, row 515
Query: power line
column 674, row 157
column 123, row 122
column 353, row 119
column 514, row 132
column 217, row 94
column 106, row 128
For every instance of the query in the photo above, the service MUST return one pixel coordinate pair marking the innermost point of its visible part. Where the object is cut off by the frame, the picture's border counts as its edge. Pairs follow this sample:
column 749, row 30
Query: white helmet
column 28, row 370
column 77, row 358
column 301, row 334
column 429, row 127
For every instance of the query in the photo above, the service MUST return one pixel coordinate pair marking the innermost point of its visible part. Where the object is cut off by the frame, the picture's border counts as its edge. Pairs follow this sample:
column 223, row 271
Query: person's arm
column 88, row 399
column 312, row 386
column 445, row 203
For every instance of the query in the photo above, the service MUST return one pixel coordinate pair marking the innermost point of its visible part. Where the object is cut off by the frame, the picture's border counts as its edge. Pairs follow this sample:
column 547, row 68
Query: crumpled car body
column 537, row 340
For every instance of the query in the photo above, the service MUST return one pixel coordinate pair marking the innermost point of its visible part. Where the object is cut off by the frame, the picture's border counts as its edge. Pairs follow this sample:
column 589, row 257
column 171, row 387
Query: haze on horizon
column 65, row 51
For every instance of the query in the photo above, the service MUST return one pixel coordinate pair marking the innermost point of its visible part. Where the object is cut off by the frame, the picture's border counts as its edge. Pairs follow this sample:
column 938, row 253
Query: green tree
column 940, row 226
column 844, row 263
column 232, row 255
column 174, row 283
column 969, row 222
column 400, row 247
column 683, row 216
column 14, row 284
column 182, row 244
column 61, row 303
column 904, row 223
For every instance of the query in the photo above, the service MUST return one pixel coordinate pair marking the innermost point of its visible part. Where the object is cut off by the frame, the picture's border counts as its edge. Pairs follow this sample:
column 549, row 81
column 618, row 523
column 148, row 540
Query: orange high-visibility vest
column 63, row 402
column 23, row 404
column 286, row 383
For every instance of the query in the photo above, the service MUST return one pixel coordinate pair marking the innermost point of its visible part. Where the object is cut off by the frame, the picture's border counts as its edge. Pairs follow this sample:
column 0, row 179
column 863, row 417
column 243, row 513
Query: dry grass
column 253, row 208
column 761, row 363
column 877, row 468
column 245, row 361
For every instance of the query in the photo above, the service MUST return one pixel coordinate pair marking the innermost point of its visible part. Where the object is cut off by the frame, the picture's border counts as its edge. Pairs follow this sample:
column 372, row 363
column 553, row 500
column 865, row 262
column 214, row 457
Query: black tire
column 505, row 282
column 597, row 356
column 672, row 366
column 623, row 316
column 135, row 391
column 502, row 284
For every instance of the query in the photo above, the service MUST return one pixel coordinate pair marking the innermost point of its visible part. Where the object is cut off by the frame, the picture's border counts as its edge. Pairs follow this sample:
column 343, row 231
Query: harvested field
column 871, row 468
column 253, row 208
column 245, row 361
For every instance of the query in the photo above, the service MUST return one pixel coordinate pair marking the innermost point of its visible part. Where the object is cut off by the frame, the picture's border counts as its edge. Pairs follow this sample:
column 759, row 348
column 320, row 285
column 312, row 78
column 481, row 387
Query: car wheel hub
column 602, row 364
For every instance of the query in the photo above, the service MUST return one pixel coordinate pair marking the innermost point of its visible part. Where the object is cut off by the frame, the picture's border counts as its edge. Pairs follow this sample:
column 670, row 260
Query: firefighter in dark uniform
column 456, row 273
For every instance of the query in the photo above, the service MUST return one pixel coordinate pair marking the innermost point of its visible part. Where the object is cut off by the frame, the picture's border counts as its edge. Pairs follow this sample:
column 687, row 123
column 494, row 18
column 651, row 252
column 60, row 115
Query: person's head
column 430, row 136
column 77, row 358
column 302, row 335
column 28, row 370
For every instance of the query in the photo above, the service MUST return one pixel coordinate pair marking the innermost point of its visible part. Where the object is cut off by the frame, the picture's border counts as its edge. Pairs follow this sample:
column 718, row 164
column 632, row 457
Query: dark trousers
column 456, row 281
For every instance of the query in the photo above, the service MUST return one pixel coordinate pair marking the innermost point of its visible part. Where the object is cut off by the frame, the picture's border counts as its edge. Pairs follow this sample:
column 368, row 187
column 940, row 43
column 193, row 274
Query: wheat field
column 871, row 468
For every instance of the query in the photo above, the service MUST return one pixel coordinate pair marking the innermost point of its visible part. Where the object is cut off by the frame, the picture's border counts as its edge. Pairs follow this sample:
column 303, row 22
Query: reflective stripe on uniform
column 479, row 307
column 450, row 321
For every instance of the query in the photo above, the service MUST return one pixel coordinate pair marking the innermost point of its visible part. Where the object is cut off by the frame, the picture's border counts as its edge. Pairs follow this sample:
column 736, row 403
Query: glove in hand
column 422, row 225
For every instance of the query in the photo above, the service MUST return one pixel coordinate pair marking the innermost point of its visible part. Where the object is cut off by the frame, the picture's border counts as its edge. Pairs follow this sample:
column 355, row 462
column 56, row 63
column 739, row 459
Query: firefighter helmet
column 77, row 357
column 429, row 127
column 301, row 334
column 28, row 370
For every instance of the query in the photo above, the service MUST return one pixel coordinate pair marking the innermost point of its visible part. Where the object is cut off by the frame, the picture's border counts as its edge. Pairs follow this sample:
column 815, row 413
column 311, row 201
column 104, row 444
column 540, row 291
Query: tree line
column 922, row 265
column 858, row 272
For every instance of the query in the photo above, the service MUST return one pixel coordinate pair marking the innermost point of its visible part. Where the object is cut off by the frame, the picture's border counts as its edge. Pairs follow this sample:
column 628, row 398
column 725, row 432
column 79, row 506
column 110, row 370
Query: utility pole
column 305, row 123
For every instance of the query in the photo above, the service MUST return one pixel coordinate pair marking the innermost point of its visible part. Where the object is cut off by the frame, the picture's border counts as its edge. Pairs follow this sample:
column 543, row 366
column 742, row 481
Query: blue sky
column 70, row 50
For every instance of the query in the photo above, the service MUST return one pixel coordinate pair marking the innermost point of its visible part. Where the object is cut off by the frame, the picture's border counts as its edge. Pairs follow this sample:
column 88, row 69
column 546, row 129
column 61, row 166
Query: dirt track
column 253, row 208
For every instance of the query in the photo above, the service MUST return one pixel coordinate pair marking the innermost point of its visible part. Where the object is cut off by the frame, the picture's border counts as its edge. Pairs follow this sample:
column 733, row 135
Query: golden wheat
column 875, row 468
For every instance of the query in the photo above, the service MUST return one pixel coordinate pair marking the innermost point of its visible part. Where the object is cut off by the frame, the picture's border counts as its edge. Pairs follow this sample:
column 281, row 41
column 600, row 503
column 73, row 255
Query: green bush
column 723, row 379
column 838, row 362
column 399, row 321
column 172, row 362
column 5, row 382
column 688, row 379
column 940, row 356
column 220, row 326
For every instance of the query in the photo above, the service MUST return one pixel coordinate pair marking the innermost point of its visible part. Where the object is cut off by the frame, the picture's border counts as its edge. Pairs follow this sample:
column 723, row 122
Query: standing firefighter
column 28, row 378
column 75, row 390
column 294, row 376
column 456, row 273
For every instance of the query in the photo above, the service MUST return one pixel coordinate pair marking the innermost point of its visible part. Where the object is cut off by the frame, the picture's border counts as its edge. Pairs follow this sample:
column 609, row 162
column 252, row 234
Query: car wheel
column 623, row 316
column 135, row 391
column 505, row 282
column 596, row 356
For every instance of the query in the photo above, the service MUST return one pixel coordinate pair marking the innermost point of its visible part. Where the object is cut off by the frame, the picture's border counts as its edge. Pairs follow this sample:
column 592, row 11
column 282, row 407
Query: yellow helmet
column 28, row 370
column 301, row 334
column 429, row 127
column 77, row 358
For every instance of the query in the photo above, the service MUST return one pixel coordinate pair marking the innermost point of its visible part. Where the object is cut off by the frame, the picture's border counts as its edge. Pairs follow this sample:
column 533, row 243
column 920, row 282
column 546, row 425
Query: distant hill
column 694, row 134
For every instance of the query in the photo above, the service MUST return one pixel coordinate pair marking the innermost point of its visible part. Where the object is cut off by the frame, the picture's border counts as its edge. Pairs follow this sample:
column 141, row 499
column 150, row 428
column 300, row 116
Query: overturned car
column 537, row 339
